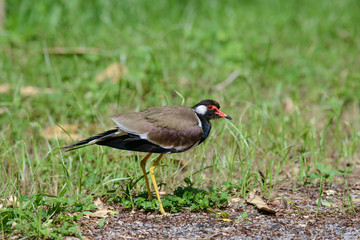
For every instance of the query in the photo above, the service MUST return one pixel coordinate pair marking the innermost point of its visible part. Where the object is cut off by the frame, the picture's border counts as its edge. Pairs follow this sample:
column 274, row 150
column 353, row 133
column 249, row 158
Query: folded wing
column 175, row 128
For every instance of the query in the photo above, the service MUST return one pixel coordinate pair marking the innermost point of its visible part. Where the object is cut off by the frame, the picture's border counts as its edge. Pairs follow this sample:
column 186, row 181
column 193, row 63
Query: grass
column 294, row 104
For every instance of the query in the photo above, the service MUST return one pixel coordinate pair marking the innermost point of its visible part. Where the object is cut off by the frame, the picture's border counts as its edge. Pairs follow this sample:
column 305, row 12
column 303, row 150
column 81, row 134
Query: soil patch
column 295, row 218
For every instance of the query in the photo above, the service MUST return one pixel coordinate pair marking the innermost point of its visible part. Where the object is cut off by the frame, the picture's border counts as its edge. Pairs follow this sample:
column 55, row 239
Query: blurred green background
column 286, row 71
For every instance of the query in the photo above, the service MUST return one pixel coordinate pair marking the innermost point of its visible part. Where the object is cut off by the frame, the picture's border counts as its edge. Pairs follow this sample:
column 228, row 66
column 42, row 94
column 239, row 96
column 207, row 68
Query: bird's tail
column 91, row 140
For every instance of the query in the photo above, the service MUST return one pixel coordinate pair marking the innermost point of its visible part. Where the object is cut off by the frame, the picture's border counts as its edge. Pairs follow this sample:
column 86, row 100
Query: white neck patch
column 201, row 110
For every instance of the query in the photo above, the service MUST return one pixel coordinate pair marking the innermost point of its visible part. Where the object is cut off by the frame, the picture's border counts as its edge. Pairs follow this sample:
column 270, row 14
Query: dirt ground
column 295, row 218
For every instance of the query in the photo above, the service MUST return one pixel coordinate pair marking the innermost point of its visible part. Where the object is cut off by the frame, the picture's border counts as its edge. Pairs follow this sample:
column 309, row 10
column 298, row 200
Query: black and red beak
column 222, row 115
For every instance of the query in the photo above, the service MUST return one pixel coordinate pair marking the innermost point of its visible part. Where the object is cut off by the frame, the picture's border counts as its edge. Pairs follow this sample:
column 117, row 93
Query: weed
column 183, row 198
column 45, row 216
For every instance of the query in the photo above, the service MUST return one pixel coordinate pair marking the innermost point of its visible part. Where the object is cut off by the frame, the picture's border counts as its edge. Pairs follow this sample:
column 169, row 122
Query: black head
column 209, row 109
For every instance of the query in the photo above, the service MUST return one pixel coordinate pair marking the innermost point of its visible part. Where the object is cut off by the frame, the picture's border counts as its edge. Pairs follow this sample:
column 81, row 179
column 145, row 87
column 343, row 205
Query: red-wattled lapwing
column 167, row 129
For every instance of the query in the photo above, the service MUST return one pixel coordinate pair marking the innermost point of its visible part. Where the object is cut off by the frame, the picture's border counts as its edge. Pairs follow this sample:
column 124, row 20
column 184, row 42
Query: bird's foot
column 163, row 212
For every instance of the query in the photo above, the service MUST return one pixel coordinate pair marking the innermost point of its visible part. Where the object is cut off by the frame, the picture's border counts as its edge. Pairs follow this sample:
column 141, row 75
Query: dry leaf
column 27, row 90
column 330, row 192
column 114, row 72
column 5, row 88
column 236, row 200
column 221, row 86
column 183, row 81
column 356, row 201
column 54, row 132
column 33, row 91
column 288, row 105
column 224, row 220
column 100, row 213
column 13, row 225
column 103, row 213
column 3, row 110
column 75, row 238
column 258, row 202
column 12, row 201
column 99, row 203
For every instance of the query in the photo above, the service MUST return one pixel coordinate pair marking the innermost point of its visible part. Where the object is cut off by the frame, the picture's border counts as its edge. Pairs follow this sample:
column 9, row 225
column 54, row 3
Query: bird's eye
column 210, row 107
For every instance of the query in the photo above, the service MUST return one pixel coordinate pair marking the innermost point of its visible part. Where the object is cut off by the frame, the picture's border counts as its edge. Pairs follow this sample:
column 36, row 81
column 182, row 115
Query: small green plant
column 183, row 197
column 326, row 173
column 44, row 216
column 102, row 222
column 349, row 206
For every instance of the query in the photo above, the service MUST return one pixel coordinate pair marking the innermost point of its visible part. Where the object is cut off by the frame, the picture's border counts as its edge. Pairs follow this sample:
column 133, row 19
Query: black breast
column 206, row 126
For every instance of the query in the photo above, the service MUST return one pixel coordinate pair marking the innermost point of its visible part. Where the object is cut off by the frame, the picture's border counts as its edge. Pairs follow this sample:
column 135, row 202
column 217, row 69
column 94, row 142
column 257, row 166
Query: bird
column 163, row 130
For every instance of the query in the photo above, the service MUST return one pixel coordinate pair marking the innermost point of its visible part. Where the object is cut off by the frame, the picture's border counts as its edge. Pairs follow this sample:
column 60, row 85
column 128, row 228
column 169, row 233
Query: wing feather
column 175, row 127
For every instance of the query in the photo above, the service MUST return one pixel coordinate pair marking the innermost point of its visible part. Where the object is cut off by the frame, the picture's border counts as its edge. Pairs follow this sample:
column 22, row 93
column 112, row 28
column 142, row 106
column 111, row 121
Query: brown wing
column 172, row 117
column 133, row 123
column 168, row 126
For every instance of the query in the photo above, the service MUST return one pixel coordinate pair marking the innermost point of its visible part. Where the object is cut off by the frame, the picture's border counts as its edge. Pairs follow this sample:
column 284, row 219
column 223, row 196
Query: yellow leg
column 142, row 165
column 154, row 183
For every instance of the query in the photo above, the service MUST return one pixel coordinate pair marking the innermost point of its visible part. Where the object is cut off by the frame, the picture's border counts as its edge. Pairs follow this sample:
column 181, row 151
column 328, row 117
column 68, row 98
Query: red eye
column 210, row 107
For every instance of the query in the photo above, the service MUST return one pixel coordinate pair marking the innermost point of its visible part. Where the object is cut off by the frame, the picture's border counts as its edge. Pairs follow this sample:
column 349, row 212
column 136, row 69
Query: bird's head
column 209, row 109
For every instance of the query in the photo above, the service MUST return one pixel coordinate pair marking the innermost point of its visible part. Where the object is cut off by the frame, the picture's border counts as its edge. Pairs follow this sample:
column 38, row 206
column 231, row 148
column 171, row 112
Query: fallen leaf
column 330, row 192
column 26, row 90
column 13, row 225
column 236, row 200
column 303, row 225
column 5, row 88
column 183, row 81
column 3, row 110
column 75, row 238
column 33, row 91
column 224, row 220
column 99, row 203
column 258, row 202
column 12, row 201
column 114, row 72
column 103, row 213
column 288, row 105
column 221, row 86
column 100, row 213
column 162, row 193
column 54, row 132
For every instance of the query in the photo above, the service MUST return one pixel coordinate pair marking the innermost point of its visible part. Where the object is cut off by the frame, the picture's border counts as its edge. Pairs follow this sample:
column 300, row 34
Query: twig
column 227, row 81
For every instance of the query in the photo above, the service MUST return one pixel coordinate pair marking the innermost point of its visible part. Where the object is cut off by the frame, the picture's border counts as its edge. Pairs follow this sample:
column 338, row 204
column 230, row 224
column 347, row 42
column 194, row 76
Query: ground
column 291, row 221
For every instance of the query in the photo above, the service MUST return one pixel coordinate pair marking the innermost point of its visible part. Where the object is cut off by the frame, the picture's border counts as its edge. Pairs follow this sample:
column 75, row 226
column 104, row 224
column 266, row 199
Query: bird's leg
column 154, row 183
column 142, row 165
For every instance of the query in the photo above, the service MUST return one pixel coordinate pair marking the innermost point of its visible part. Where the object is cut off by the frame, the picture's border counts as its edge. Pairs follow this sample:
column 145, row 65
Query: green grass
column 295, row 103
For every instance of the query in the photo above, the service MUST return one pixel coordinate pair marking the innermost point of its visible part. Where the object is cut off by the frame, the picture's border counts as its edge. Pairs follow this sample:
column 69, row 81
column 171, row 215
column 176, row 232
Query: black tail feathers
column 84, row 143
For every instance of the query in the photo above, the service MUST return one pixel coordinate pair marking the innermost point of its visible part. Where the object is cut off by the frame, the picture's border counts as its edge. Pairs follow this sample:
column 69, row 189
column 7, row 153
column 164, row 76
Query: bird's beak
column 223, row 115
